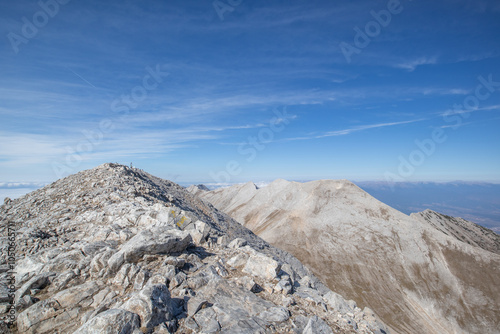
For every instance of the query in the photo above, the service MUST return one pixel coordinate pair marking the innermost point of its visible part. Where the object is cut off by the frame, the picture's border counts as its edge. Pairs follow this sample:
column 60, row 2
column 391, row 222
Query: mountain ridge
column 115, row 249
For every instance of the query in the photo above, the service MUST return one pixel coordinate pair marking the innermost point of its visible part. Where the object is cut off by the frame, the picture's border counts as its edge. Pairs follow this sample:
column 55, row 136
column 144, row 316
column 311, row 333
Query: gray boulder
column 275, row 314
column 238, row 260
column 199, row 232
column 206, row 320
column 337, row 302
column 284, row 286
column 41, row 317
column 262, row 266
column 60, row 311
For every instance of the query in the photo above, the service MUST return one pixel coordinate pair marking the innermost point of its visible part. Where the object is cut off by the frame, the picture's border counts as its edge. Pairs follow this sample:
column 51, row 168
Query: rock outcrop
column 116, row 250
column 422, row 274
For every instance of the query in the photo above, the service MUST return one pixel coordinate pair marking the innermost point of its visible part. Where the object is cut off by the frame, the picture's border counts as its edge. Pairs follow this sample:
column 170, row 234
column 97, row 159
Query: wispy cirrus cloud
column 446, row 91
column 411, row 65
column 29, row 148
column 366, row 127
column 462, row 111
column 348, row 131
column 477, row 57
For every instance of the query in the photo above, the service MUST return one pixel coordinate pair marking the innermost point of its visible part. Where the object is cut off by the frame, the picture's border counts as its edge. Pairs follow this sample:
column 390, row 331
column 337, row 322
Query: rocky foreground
column 116, row 250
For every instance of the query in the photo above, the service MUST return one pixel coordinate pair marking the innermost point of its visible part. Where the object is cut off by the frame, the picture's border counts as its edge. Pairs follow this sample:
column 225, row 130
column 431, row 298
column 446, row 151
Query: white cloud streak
column 348, row 131
column 413, row 64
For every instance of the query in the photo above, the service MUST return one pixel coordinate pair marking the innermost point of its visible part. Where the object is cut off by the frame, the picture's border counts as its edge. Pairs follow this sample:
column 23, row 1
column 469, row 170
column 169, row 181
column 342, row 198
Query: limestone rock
column 153, row 305
column 237, row 243
column 194, row 305
column 199, row 232
column 336, row 302
column 248, row 283
column 284, row 286
column 317, row 326
column 238, row 260
column 111, row 322
column 262, row 266
column 158, row 241
column 39, row 281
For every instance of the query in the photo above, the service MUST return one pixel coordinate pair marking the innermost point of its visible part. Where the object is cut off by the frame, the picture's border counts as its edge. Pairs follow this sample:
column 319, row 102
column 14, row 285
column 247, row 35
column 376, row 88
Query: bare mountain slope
column 418, row 279
column 461, row 229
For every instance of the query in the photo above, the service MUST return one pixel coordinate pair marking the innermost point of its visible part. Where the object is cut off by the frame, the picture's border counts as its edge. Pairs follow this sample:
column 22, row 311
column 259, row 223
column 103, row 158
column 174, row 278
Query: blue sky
column 251, row 90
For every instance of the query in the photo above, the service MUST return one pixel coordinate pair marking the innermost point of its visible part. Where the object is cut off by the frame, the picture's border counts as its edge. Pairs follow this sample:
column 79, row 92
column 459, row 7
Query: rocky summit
column 116, row 250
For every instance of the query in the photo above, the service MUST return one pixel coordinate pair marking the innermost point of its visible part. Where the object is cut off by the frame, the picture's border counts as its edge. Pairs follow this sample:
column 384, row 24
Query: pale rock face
column 116, row 250
column 336, row 302
column 317, row 326
column 238, row 260
column 262, row 266
column 39, row 281
column 111, row 322
column 153, row 304
column 199, row 232
column 237, row 243
column 427, row 273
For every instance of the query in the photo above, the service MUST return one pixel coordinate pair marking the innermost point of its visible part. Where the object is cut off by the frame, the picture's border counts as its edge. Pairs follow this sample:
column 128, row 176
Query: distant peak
column 202, row 187
column 250, row 184
column 339, row 182
column 279, row 182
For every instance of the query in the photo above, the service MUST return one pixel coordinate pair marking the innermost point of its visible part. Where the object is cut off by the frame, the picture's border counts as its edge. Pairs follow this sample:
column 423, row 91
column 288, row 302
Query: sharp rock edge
column 116, row 250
